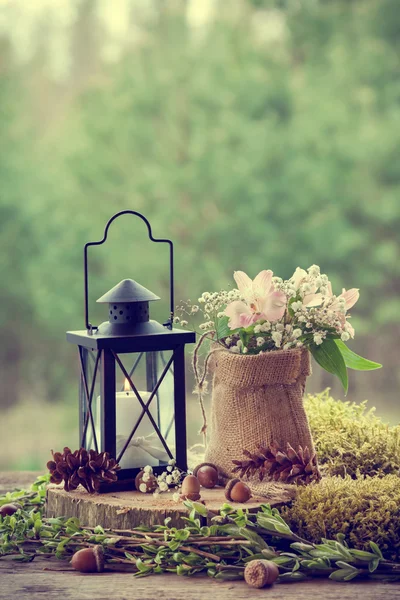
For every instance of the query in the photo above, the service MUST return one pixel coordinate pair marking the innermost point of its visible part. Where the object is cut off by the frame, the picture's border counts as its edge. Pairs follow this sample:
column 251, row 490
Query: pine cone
column 288, row 466
column 88, row 468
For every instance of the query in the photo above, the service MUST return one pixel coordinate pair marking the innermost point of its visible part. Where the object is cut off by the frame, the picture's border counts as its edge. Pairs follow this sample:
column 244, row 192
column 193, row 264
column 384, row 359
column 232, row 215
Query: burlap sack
column 257, row 399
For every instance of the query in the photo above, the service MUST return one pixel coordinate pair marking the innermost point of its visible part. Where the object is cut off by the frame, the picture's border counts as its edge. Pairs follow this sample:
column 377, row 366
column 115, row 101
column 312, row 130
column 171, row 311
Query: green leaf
column 375, row 549
column 354, row 361
column 222, row 328
column 253, row 537
column 344, row 574
column 373, row 565
column 329, row 357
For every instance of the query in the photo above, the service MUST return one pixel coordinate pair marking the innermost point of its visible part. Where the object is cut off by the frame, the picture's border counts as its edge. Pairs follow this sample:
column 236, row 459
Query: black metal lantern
column 132, row 392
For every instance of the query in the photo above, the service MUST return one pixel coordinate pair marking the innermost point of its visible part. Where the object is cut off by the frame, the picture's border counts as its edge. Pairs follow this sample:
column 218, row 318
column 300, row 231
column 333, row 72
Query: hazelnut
column 190, row 488
column 89, row 560
column 237, row 491
column 150, row 483
column 207, row 474
column 259, row 573
column 9, row 509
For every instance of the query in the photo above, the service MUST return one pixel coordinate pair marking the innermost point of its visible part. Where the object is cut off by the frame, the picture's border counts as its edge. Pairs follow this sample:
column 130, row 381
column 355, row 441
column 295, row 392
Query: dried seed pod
column 89, row 560
column 9, row 509
column 150, row 483
column 259, row 573
column 190, row 488
column 237, row 491
column 207, row 474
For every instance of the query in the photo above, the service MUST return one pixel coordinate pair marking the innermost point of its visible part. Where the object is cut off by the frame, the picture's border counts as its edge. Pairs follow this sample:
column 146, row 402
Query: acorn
column 190, row 488
column 237, row 491
column 207, row 474
column 89, row 560
column 9, row 509
column 151, row 483
column 259, row 573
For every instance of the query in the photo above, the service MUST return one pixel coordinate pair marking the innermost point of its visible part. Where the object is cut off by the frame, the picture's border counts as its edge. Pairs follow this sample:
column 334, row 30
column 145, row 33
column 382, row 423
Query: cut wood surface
column 125, row 510
column 54, row 580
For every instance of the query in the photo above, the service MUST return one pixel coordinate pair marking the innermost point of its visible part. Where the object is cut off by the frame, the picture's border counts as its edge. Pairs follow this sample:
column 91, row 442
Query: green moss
column 362, row 509
column 350, row 439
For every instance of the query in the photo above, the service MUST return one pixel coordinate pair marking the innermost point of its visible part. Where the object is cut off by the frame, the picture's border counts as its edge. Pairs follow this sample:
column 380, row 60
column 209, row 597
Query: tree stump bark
column 129, row 509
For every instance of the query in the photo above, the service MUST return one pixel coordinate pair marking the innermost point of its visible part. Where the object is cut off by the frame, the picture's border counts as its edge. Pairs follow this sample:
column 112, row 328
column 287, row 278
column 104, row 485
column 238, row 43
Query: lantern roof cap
column 128, row 290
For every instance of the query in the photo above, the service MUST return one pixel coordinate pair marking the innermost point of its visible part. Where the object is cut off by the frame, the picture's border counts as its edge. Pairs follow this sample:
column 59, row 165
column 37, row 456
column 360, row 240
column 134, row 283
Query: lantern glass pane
column 145, row 437
column 90, row 400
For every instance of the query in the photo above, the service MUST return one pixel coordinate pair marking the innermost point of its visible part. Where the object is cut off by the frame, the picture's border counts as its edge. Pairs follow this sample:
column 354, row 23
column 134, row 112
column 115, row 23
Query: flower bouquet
column 262, row 335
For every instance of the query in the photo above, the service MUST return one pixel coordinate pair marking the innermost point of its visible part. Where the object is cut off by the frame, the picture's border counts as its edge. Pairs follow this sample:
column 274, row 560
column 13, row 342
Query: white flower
column 257, row 329
column 345, row 336
column 172, row 462
column 288, row 328
column 208, row 307
column 176, row 320
column 302, row 319
column 245, row 350
column 220, row 315
column 169, row 469
column 143, row 488
column 169, row 479
column 265, row 327
column 228, row 341
column 277, row 338
column 287, row 346
column 260, row 341
column 163, row 486
column 318, row 338
column 295, row 306
column 279, row 327
column 297, row 333
column 146, row 477
column 314, row 270
column 184, row 323
column 201, row 300
column 148, row 469
column 176, row 497
column 195, row 308
column 299, row 344
column 235, row 350
column 298, row 277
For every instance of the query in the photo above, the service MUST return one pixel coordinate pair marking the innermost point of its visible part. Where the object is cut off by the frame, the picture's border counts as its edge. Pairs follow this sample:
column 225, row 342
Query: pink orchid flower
column 260, row 300
column 350, row 297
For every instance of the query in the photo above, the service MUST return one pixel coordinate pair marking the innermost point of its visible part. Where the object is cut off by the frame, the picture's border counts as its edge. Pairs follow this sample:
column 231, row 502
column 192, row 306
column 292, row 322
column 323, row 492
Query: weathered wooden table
column 35, row 581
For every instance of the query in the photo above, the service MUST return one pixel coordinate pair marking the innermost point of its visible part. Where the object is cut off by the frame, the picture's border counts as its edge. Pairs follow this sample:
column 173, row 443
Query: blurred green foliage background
column 254, row 133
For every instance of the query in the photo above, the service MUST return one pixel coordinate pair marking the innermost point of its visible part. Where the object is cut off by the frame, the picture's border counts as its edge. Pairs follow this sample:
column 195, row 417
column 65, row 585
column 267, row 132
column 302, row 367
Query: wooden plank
column 125, row 510
column 31, row 582
column 54, row 580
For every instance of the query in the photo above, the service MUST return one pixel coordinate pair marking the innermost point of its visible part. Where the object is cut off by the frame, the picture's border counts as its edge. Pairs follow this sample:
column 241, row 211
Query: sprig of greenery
column 220, row 550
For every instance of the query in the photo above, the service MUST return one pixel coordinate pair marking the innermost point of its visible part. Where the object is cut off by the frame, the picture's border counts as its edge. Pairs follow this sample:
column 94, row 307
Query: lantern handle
column 169, row 322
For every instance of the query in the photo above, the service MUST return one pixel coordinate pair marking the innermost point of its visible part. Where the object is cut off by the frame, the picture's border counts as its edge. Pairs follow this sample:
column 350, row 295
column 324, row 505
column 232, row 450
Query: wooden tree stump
column 129, row 509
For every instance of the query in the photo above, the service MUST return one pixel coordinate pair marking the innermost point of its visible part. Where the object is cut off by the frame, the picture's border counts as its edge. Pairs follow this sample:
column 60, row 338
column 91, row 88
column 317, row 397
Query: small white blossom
column 235, row 350
column 176, row 497
column 260, row 341
column 143, row 488
column 302, row 319
column 169, row 479
column 277, row 338
column 297, row 333
column 314, row 271
column 163, row 486
column 279, row 327
column 195, row 308
column 257, row 329
column 148, row 469
column 169, row 469
column 287, row 346
column 184, row 323
column 318, row 338
column 345, row 336
column 299, row 344
column 265, row 327
column 245, row 350
column 297, row 306
column 176, row 320
column 228, row 341
column 172, row 462
column 220, row 315
column 146, row 477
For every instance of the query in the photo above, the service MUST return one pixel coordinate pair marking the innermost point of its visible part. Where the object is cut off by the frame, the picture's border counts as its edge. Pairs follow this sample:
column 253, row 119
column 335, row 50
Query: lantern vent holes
column 135, row 312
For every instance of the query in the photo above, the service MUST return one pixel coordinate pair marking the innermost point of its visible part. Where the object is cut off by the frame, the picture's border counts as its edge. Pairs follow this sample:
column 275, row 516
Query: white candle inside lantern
column 145, row 447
